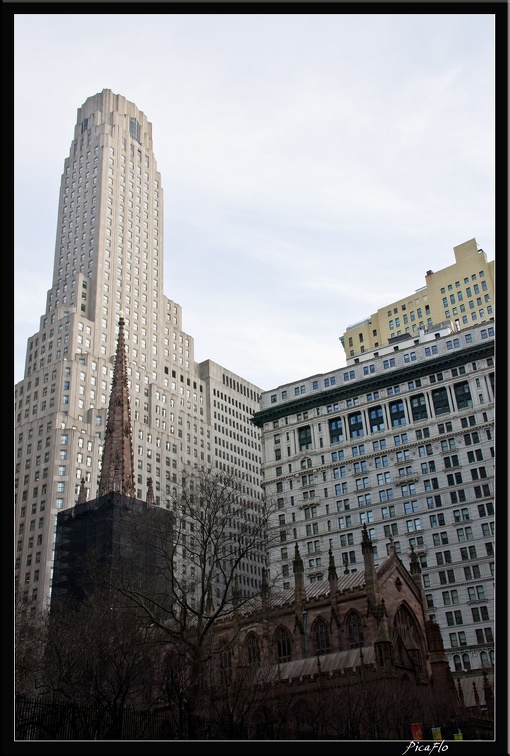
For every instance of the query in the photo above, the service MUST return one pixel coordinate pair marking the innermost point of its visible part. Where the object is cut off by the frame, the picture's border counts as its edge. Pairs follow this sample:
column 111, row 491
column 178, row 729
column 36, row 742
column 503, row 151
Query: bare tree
column 312, row 713
column 274, row 716
column 172, row 678
column 101, row 654
column 239, row 689
column 216, row 528
column 439, row 708
column 29, row 641
column 350, row 704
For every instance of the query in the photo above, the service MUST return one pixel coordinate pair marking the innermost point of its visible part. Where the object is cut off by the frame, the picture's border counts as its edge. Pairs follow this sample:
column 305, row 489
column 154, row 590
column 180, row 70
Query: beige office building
column 462, row 293
column 400, row 439
column 109, row 257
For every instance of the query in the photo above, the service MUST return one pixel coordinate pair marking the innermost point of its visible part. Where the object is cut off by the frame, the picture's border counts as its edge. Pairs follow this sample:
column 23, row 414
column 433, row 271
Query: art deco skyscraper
column 109, row 262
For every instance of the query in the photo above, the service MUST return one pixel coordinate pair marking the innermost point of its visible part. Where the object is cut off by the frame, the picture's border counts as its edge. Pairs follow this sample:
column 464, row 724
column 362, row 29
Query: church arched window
column 321, row 637
column 355, row 630
column 253, row 650
column 283, row 645
column 225, row 665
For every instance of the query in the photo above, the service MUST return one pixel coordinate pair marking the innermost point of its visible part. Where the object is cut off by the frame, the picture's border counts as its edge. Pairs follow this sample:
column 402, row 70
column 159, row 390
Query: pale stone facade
column 108, row 262
column 402, row 440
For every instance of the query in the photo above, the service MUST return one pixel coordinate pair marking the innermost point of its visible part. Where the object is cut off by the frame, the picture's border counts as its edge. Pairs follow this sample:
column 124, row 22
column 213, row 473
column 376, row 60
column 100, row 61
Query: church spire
column 117, row 472
column 82, row 496
column 460, row 694
column 299, row 582
column 489, row 695
column 150, row 492
column 264, row 589
column 371, row 582
column 332, row 574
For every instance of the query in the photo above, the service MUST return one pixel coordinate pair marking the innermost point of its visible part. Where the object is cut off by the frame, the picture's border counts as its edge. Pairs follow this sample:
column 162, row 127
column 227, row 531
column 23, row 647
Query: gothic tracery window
column 404, row 624
column 226, row 666
column 253, row 650
column 321, row 635
column 282, row 638
column 355, row 630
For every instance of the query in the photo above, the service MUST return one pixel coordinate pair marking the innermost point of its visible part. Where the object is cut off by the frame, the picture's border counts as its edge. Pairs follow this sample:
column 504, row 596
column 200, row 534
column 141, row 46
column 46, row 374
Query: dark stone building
column 358, row 640
column 110, row 538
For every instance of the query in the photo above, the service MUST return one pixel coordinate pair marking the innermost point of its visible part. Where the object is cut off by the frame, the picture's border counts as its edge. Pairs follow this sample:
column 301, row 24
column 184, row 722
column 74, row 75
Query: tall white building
column 401, row 439
column 109, row 256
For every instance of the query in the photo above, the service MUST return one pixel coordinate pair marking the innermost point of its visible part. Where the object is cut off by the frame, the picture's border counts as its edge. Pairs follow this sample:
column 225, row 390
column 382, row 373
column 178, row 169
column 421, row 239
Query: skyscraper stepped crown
column 127, row 212
column 117, row 472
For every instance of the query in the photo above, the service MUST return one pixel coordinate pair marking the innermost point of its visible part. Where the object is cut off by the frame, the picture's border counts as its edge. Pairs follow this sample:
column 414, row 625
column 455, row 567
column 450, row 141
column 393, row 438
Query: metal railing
column 36, row 719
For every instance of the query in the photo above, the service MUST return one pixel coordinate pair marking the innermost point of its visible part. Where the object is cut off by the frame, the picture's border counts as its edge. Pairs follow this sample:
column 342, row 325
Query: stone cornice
column 354, row 388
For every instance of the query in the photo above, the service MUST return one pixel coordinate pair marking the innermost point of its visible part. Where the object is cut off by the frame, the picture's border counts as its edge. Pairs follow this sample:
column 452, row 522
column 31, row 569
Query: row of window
column 318, row 638
column 388, row 494
column 482, row 636
column 464, row 662
column 378, row 445
column 388, row 512
column 417, row 543
column 376, row 419
column 449, row 577
column 481, row 274
column 390, row 362
column 356, row 423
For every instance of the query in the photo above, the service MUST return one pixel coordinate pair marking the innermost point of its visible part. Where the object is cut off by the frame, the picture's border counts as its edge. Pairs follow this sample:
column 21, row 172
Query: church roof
column 339, row 661
column 347, row 583
column 280, row 598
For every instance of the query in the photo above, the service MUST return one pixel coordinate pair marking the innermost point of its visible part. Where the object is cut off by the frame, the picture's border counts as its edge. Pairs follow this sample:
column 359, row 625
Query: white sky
column 314, row 166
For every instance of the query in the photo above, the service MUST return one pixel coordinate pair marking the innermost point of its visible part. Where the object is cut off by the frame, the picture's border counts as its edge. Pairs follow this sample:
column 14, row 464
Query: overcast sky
column 314, row 166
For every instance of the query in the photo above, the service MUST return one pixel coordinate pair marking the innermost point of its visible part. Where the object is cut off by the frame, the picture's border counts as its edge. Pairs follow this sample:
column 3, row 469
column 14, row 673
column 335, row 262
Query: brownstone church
column 346, row 642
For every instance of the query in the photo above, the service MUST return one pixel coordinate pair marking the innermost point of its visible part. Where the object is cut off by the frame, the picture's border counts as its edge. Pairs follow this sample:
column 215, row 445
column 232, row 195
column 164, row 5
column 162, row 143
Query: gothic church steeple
column 117, row 472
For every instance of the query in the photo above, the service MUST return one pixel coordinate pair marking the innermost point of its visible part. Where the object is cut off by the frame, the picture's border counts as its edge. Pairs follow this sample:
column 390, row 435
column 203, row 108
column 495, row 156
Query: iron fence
column 36, row 719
